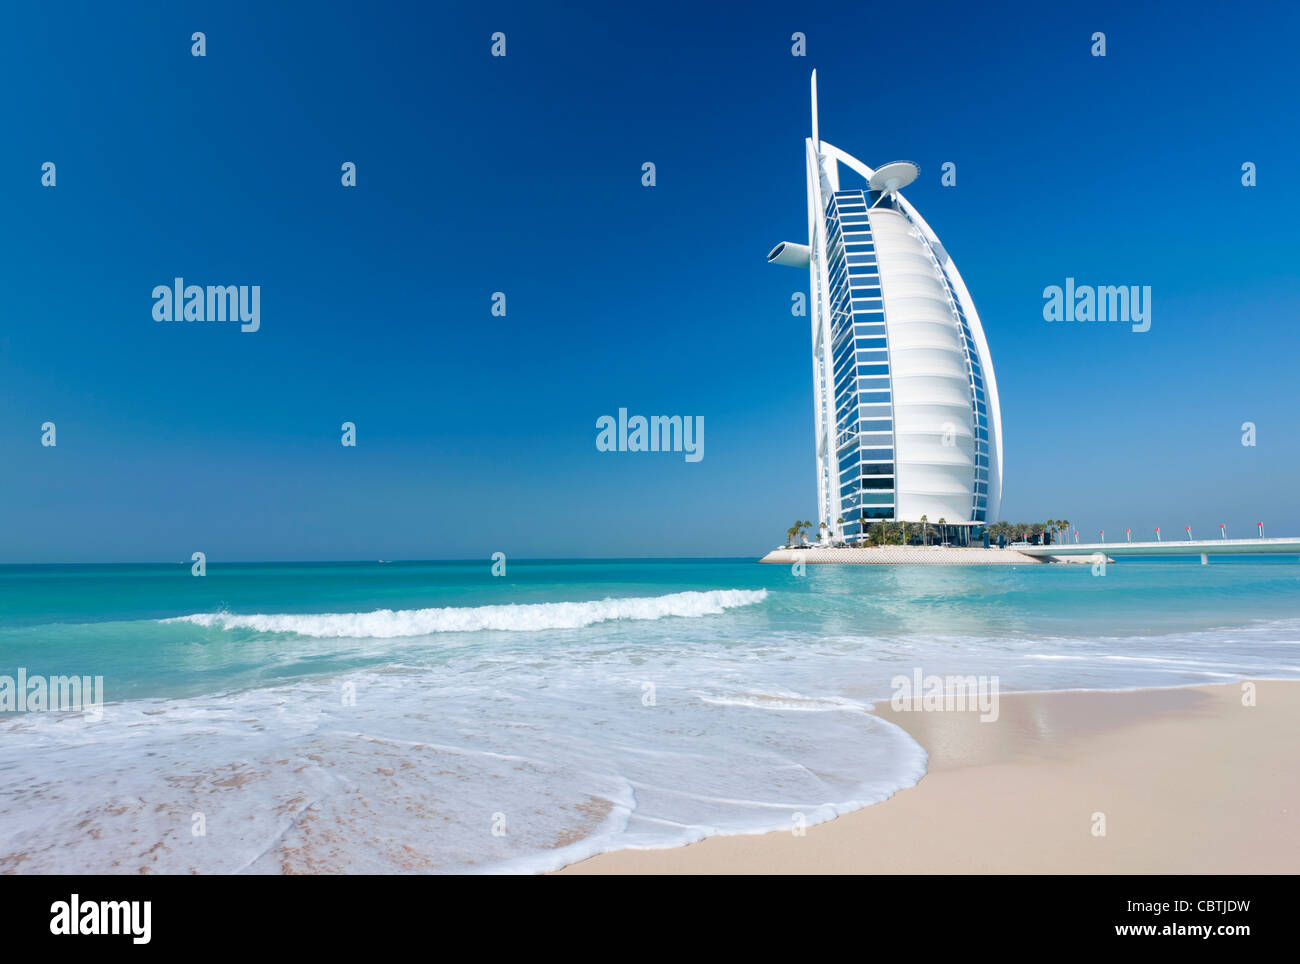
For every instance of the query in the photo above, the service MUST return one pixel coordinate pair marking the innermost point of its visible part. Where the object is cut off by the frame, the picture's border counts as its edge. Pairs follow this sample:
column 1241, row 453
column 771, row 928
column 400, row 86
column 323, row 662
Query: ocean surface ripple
column 428, row 717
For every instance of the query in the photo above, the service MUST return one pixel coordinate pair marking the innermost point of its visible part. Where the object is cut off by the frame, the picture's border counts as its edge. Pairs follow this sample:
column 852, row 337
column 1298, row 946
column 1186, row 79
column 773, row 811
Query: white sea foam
column 522, row 617
column 415, row 775
column 404, row 756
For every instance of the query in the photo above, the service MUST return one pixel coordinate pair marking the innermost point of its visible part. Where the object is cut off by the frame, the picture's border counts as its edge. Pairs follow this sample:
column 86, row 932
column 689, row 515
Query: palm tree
column 840, row 522
column 925, row 525
column 943, row 529
column 879, row 533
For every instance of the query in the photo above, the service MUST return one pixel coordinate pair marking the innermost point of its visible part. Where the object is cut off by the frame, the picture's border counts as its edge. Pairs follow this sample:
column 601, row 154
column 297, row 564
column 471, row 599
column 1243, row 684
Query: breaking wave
column 521, row 617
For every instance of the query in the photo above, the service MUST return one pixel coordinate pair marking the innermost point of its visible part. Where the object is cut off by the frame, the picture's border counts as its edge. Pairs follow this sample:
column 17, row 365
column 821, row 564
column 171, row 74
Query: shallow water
column 432, row 717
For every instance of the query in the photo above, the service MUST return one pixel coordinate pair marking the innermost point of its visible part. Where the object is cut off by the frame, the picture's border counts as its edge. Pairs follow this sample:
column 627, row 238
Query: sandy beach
column 1189, row 780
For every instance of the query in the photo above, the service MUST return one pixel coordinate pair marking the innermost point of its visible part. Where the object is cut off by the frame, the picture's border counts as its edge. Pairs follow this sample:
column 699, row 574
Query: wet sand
column 1180, row 780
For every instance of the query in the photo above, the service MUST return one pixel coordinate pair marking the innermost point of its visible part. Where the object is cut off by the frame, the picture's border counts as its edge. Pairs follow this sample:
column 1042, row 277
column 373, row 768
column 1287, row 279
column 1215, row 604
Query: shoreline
column 1189, row 780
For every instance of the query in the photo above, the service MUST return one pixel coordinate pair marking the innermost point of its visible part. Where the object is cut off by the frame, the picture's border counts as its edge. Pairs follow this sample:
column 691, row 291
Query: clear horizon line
column 483, row 559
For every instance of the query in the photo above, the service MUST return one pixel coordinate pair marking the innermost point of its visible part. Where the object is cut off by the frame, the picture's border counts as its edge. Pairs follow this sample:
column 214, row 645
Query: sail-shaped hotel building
column 906, row 403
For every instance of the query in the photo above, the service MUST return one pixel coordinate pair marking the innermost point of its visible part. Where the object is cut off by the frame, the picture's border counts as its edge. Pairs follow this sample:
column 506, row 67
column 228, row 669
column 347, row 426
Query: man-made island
column 916, row 556
column 1085, row 554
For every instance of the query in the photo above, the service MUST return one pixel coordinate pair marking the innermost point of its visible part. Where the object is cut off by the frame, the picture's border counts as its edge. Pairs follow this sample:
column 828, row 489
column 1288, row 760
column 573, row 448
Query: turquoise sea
column 427, row 717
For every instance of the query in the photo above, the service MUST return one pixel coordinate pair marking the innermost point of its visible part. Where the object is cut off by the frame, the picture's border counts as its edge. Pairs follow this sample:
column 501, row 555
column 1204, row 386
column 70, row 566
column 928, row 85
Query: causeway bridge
column 1187, row 547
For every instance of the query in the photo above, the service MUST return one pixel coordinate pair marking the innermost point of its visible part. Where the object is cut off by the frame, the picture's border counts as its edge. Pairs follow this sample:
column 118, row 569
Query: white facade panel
column 982, row 349
column 933, row 412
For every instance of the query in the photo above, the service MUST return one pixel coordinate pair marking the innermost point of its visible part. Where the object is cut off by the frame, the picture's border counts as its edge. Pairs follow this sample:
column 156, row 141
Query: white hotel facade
column 906, row 402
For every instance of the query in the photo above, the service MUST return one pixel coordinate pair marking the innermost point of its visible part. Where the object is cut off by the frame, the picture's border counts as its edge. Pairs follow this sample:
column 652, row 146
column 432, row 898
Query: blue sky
column 522, row 174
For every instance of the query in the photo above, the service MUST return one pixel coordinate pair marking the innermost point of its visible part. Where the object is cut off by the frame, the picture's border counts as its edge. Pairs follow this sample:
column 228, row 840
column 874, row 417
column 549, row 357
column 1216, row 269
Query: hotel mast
column 905, row 400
